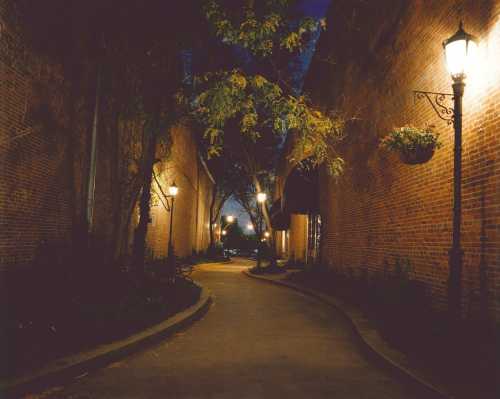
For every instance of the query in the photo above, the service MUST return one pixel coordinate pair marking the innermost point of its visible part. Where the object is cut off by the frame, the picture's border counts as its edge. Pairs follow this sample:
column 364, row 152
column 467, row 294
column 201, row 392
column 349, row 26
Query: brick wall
column 45, row 129
column 382, row 209
column 40, row 174
column 191, row 208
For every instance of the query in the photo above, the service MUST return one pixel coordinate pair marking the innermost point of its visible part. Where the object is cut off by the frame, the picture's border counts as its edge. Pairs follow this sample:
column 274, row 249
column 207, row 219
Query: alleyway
column 256, row 341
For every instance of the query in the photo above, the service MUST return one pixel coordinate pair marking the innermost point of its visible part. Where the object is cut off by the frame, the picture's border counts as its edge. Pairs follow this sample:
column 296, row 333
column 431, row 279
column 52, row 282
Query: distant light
column 267, row 234
column 224, row 232
column 250, row 226
column 173, row 190
column 230, row 218
column 261, row 197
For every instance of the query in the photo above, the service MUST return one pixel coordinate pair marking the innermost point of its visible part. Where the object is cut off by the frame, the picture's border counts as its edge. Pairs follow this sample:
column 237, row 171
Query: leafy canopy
column 261, row 34
column 259, row 107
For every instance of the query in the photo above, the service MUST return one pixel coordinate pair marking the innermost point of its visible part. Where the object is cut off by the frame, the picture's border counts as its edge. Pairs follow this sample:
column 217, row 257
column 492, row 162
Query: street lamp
column 230, row 218
column 261, row 199
column 460, row 51
column 249, row 226
column 173, row 190
column 267, row 234
column 224, row 232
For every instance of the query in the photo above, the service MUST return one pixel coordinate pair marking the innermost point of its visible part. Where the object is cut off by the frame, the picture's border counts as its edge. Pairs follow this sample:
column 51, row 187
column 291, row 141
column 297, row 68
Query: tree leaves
column 261, row 34
column 257, row 105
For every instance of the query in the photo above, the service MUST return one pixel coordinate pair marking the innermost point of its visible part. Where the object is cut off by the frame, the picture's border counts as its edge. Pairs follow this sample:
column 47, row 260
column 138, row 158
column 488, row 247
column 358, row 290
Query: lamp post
column 173, row 190
column 460, row 50
column 261, row 199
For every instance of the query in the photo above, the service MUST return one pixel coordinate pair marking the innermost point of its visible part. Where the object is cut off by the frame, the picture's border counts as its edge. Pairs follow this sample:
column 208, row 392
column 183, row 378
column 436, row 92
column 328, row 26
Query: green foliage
column 259, row 107
column 410, row 138
column 261, row 33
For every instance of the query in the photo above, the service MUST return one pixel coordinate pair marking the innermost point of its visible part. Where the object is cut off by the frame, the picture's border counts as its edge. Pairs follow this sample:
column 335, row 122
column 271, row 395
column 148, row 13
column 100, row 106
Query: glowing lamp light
column 173, row 190
column 267, row 234
column 461, row 52
column 230, row 219
column 261, row 197
column 224, row 232
column 250, row 226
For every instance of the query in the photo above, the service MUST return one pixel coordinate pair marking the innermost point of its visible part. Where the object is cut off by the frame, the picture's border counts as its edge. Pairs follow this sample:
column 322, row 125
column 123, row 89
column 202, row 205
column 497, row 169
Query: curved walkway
column 257, row 341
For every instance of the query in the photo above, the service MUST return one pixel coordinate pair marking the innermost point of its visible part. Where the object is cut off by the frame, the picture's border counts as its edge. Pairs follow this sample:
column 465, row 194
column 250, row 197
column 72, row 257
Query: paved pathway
column 256, row 341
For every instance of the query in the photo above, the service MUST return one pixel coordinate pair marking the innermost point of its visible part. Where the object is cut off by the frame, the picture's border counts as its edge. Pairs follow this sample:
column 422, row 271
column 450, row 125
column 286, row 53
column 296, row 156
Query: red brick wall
column 382, row 209
column 45, row 128
column 40, row 178
column 191, row 212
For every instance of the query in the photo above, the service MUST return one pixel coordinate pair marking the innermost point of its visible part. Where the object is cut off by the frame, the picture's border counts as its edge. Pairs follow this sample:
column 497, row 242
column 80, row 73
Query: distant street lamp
column 460, row 52
column 249, row 226
column 224, row 232
column 267, row 234
column 261, row 199
column 230, row 218
column 173, row 190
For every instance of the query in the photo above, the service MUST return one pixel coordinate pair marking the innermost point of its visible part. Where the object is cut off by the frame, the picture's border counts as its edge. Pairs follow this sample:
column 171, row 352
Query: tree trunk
column 141, row 231
column 116, row 192
column 211, row 246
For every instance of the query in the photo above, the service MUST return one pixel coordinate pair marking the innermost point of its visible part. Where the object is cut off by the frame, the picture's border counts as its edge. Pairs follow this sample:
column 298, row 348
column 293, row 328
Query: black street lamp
column 173, row 190
column 460, row 50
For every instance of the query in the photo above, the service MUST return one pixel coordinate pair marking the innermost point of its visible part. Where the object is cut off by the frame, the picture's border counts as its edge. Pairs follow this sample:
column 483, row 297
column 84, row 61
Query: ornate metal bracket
column 437, row 101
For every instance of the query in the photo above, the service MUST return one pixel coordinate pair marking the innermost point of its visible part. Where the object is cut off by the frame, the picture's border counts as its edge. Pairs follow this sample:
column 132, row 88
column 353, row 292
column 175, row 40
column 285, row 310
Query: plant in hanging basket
column 414, row 145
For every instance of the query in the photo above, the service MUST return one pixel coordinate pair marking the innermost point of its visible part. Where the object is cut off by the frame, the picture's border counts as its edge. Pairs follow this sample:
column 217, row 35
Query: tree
column 135, row 50
column 226, row 175
column 143, row 49
column 249, row 115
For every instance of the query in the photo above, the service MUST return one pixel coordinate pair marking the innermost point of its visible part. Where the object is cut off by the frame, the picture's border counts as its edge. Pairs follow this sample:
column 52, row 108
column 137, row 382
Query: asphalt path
column 256, row 341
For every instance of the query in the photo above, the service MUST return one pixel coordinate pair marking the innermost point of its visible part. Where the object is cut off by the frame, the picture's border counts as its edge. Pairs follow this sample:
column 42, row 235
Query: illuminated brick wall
column 191, row 209
column 382, row 209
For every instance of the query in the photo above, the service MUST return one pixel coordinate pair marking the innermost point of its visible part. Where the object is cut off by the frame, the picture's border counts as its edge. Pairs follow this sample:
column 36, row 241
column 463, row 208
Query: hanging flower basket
column 414, row 145
column 417, row 155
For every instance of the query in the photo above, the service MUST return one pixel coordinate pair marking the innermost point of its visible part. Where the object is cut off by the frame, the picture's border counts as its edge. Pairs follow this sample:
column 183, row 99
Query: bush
column 61, row 304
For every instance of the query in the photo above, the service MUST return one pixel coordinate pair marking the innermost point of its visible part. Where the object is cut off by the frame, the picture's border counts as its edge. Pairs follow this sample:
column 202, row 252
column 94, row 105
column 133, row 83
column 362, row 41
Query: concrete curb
column 368, row 336
column 75, row 365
